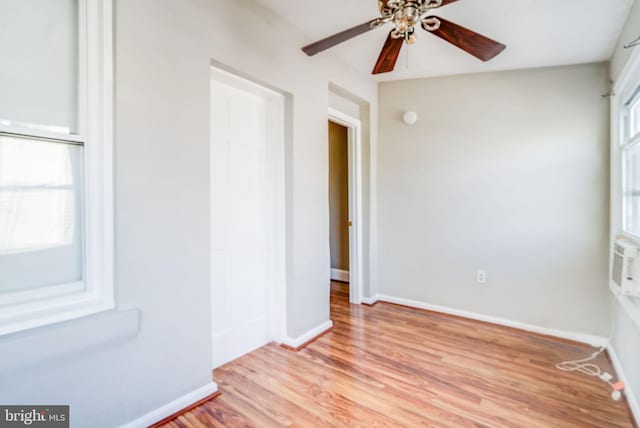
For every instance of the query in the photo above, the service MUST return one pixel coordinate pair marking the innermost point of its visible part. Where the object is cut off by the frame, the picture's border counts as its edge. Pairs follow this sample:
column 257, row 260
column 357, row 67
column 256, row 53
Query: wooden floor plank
column 393, row 366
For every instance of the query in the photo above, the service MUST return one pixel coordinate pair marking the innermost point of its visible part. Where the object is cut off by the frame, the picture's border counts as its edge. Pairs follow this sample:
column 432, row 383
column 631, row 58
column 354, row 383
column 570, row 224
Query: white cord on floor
column 584, row 366
column 590, row 369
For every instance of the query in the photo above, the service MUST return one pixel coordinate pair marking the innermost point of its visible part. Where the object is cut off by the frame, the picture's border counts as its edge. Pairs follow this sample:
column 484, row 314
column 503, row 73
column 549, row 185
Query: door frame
column 354, row 127
column 276, row 194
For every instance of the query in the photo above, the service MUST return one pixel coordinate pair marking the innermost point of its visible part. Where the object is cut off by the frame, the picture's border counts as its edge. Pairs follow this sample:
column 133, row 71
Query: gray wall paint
column 163, row 52
column 505, row 172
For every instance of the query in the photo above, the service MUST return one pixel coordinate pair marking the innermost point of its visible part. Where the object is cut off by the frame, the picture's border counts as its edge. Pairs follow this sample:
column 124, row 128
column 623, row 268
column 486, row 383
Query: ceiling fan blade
column 446, row 2
column 343, row 36
column 469, row 41
column 389, row 55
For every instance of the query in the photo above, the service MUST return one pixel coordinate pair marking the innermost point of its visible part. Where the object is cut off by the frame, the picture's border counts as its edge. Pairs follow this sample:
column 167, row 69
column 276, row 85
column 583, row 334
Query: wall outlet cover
column 481, row 276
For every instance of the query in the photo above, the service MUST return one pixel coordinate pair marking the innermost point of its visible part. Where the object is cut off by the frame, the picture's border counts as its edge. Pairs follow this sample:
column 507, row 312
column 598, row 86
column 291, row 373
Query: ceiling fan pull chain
column 409, row 38
column 407, row 57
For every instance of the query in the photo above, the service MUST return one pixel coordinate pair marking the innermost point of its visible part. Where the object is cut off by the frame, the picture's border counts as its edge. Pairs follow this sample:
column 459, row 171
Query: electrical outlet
column 481, row 276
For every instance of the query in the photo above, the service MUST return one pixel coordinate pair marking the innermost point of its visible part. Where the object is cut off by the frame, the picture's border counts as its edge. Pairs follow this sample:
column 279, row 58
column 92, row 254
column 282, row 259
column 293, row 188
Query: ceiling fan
column 405, row 15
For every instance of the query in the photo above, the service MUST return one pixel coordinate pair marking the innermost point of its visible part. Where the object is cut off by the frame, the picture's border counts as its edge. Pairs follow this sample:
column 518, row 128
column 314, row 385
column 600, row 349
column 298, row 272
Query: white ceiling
column 538, row 33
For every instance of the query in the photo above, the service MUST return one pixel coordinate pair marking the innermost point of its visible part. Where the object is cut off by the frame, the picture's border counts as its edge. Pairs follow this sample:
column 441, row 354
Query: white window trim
column 626, row 142
column 626, row 85
column 624, row 89
column 49, row 305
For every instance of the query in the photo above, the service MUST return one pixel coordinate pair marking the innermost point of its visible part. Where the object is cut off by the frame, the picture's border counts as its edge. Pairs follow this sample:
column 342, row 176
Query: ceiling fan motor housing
column 405, row 14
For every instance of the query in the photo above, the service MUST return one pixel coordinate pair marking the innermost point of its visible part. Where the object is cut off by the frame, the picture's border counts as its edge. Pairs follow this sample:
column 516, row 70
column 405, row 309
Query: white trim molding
column 370, row 300
column 356, row 247
column 628, row 391
column 276, row 193
column 592, row 340
column 625, row 87
column 309, row 335
column 95, row 292
column 340, row 275
column 172, row 407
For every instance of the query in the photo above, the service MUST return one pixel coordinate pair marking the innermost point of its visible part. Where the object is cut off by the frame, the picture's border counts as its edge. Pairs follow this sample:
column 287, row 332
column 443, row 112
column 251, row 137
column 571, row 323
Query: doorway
column 247, row 216
column 345, row 201
column 339, row 201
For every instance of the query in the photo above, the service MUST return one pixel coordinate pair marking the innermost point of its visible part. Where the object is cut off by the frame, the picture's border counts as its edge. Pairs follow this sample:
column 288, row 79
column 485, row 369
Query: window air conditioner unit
column 626, row 267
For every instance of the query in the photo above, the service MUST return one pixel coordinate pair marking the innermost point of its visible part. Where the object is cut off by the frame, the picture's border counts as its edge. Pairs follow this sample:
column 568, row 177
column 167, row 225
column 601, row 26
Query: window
column 631, row 165
column 55, row 161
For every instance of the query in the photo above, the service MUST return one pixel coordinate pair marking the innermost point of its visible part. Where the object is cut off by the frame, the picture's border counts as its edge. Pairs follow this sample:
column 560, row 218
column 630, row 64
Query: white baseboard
column 301, row 340
column 578, row 337
column 628, row 392
column 370, row 300
column 172, row 407
column 340, row 275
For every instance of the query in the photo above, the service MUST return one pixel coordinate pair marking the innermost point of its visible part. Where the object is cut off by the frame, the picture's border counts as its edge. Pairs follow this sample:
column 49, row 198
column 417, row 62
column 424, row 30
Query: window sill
column 51, row 310
column 27, row 348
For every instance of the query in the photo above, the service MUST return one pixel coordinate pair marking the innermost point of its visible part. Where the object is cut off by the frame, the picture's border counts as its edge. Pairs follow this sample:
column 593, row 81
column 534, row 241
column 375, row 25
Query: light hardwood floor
column 390, row 365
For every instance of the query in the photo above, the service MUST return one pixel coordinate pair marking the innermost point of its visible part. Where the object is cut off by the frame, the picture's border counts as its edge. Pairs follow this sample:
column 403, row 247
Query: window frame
column 51, row 304
column 626, row 85
column 627, row 142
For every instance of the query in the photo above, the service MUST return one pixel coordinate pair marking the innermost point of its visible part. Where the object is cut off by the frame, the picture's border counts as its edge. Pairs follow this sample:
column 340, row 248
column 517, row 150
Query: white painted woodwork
column 355, row 202
column 239, row 227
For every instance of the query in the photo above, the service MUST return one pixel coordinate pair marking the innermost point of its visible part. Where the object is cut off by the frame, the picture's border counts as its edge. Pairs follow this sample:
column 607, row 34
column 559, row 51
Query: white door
column 239, row 223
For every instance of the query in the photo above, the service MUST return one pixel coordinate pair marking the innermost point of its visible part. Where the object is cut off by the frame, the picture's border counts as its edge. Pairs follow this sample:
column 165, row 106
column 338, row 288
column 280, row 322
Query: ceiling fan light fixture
column 405, row 14
column 431, row 24
column 402, row 23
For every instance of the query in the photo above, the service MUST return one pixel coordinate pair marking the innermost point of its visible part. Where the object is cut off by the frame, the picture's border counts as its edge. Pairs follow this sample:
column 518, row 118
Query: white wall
column 163, row 52
column 505, row 172
column 625, row 339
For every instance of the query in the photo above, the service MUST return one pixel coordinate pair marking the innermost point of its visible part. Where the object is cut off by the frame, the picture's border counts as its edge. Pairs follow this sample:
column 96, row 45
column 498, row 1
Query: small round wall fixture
column 410, row 117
